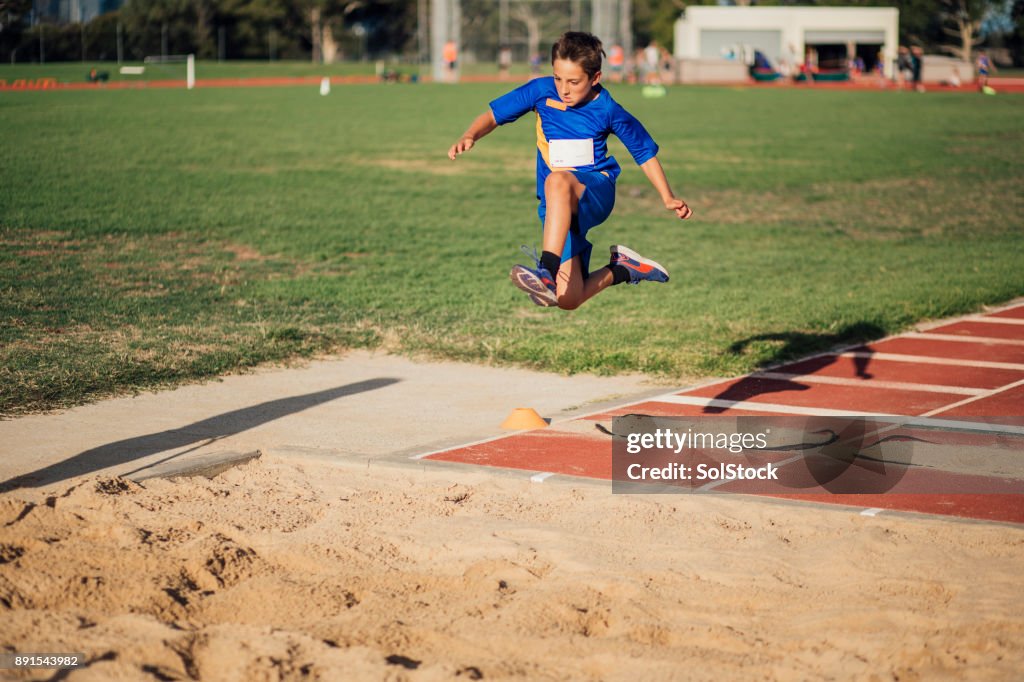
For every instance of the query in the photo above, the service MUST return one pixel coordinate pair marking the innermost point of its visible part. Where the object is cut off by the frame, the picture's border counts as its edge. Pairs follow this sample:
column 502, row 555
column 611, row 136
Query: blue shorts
column 594, row 208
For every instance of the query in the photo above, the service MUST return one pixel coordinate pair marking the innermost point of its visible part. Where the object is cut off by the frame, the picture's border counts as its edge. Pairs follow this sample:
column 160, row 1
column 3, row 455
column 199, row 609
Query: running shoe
column 537, row 282
column 640, row 269
column 541, row 301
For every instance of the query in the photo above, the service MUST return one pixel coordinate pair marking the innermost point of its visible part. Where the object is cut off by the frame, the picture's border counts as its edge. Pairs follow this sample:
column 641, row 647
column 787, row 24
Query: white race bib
column 571, row 153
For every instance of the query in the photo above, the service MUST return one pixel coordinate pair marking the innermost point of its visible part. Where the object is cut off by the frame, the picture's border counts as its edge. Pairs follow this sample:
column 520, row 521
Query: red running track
column 966, row 374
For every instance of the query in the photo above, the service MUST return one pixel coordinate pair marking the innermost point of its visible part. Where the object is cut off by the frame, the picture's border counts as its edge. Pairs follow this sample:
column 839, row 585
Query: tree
column 1015, row 39
column 656, row 20
column 523, row 12
column 962, row 21
column 205, row 10
column 13, row 14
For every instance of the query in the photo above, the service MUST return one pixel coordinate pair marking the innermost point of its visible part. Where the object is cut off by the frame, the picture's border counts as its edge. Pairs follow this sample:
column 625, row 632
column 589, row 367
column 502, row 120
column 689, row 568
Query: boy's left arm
column 656, row 174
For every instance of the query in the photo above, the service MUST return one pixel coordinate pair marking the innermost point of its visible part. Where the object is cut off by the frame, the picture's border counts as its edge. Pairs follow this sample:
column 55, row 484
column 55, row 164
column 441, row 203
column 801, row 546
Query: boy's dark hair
column 580, row 48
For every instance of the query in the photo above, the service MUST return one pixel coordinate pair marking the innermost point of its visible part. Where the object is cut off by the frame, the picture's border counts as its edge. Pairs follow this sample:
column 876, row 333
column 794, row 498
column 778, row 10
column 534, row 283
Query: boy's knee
column 559, row 182
column 569, row 302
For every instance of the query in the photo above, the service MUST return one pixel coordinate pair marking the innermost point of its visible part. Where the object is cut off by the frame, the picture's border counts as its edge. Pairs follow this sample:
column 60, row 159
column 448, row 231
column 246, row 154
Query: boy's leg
column 562, row 192
column 626, row 265
column 573, row 290
column 584, row 200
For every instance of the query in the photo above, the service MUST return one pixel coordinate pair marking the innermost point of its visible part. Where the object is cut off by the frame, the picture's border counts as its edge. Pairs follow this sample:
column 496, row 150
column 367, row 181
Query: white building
column 783, row 34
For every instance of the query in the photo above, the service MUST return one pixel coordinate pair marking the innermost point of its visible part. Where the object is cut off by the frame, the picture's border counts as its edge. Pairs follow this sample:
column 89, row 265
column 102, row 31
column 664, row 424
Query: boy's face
column 574, row 86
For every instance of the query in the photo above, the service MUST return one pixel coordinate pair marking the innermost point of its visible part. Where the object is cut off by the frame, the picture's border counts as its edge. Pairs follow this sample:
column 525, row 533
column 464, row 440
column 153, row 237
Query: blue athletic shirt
column 556, row 122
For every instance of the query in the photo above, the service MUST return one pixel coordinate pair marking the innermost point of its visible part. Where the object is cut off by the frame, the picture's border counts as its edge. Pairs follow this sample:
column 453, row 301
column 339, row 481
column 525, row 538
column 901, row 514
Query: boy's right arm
column 483, row 125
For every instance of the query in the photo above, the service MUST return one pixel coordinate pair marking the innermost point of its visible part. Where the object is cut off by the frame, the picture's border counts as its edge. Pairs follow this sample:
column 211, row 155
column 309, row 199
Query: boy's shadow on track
column 796, row 345
column 198, row 435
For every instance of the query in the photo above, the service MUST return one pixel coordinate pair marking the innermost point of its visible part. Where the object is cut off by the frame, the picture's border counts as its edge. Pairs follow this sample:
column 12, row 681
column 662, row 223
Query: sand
column 305, row 567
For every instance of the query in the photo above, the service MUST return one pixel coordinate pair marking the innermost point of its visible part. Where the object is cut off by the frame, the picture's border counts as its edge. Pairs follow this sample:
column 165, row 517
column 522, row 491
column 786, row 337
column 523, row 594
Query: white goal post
column 188, row 59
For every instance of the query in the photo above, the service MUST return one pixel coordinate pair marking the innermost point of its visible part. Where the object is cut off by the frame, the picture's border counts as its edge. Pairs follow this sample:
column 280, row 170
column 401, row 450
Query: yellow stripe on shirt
column 543, row 148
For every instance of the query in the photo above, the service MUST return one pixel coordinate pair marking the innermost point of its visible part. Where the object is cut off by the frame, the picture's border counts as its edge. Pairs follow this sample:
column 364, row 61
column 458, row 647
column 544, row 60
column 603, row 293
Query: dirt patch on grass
column 243, row 252
column 434, row 167
column 142, row 265
column 886, row 209
column 88, row 317
column 440, row 165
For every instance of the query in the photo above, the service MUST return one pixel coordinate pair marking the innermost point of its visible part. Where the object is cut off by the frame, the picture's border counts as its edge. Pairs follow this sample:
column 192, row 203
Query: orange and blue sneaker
column 536, row 281
column 640, row 269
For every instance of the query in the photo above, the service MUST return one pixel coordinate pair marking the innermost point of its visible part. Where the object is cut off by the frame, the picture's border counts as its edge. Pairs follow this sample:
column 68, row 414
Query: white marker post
column 190, row 72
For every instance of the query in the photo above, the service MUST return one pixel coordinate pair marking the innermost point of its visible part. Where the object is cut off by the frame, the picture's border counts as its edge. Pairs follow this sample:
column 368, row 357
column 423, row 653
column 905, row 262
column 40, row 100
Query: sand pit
column 295, row 568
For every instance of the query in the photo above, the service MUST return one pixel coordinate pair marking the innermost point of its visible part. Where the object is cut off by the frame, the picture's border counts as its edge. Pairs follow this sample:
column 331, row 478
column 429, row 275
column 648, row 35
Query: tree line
column 215, row 29
column 330, row 30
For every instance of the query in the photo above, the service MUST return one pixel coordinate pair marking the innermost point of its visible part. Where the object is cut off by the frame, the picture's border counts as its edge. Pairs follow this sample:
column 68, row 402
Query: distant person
column 575, row 175
column 504, row 61
column 652, row 57
column 668, row 66
column 917, row 66
column 812, row 60
column 450, row 55
column 784, row 70
column 904, row 66
column 983, row 65
column 809, row 67
column 638, row 71
column 804, row 73
column 616, row 62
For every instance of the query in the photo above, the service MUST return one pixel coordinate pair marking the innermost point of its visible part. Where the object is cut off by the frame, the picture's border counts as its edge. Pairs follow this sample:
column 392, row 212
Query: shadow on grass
column 795, row 345
column 197, row 435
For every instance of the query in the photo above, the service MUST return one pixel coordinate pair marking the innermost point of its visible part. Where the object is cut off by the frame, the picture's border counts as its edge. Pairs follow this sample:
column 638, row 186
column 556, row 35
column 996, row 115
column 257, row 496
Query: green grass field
column 150, row 237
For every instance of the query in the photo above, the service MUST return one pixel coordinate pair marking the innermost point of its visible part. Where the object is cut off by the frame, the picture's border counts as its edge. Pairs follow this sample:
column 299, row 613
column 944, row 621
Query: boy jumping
column 575, row 175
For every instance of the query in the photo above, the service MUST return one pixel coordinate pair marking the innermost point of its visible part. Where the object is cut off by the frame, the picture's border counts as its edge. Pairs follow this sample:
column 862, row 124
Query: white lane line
column 555, row 422
column 928, row 336
column 996, row 320
column 1012, row 305
column 765, row 407
column 967, row 401
column 926, row 360
column 865, row 383
column 424, row 455
column 540, row 478
column 926, row 421
column 903, row 420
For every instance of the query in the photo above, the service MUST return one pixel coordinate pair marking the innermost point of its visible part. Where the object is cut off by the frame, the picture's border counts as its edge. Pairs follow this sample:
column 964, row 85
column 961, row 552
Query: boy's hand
column 679, row 206
column 483, row 125
column 461, row 147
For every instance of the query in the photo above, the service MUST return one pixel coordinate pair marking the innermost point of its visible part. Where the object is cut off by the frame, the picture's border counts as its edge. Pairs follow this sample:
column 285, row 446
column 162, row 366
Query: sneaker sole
column 531, row 284
column 633, row 255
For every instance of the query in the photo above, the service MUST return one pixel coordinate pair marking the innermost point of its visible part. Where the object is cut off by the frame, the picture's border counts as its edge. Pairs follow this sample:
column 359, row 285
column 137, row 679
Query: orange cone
column 523, row 418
